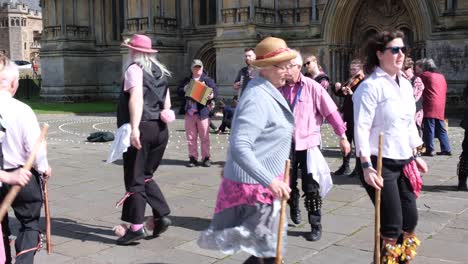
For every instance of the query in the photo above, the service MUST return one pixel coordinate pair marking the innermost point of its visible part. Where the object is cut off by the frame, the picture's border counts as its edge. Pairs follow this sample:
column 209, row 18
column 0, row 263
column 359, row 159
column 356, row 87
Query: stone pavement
column 84, row 190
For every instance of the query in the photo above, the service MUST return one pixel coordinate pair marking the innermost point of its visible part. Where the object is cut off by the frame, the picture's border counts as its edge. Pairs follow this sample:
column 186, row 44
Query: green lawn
column 71, row 108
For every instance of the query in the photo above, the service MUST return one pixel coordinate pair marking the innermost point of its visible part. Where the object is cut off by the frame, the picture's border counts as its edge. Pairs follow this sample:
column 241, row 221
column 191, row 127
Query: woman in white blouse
column 384, row 103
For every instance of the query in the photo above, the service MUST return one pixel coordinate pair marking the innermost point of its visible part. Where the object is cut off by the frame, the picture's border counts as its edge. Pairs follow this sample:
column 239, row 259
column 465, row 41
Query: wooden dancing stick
column 10, row 197
column 47, row 216
column 279, row 257
column 377, row 205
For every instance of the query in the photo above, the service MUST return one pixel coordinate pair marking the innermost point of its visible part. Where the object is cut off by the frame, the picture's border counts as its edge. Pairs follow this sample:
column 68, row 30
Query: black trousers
column 398, row 211
column 309, row 185
column 139, row 166
column 27, row 209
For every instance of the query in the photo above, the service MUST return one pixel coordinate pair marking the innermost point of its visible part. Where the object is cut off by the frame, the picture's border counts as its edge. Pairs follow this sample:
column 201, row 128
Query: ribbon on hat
column 273, row 53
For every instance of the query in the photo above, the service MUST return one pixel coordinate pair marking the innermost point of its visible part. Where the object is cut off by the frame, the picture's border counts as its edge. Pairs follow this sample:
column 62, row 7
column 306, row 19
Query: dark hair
column 378, row 43
column 409, row 63
column 249, row 49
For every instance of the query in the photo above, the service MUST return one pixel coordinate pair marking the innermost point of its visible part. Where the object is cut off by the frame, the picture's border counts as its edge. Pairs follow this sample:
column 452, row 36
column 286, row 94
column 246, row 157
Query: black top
column 154, row 95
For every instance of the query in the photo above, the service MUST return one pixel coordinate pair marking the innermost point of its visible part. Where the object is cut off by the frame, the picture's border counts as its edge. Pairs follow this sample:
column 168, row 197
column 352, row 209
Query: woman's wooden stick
column 279, row 257
column 47, row 216
column 377, row 205
column 10, row 197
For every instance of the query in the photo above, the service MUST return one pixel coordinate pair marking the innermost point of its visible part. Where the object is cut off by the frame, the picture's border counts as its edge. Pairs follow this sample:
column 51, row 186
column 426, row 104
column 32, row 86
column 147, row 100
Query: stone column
column 125, row 12
column 178, row 13
column 191, row 13
column 276, row 12
column 63, row 18
column 150, row 15
column 91, row 17
column 252, row 11
column 74, row 12
column 219, row 7
column 313, row 4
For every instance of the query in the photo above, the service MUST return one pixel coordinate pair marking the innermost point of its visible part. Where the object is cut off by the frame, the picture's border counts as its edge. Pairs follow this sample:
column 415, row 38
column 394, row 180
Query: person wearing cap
column 144, row 106
column 311, row 105
column 246, row 215
column 197, row 116
column 19, row 133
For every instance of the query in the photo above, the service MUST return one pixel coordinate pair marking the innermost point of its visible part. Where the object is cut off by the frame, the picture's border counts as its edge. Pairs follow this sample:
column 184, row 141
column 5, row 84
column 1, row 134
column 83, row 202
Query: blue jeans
column 435, row 127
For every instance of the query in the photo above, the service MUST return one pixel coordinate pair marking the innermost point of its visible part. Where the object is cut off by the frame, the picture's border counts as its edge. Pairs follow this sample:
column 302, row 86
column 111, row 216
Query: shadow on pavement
column 190, row 222
column 75, row 230
column 438, row 188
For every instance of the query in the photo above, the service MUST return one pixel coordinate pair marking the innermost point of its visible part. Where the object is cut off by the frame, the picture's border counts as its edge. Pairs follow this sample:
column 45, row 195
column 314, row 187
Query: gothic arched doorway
column 362, row 18
column 207, row 54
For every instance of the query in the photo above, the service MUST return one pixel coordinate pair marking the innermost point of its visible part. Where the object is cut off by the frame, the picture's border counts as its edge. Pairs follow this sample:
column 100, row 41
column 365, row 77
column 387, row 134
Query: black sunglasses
column 306, row 64
column 396, row 50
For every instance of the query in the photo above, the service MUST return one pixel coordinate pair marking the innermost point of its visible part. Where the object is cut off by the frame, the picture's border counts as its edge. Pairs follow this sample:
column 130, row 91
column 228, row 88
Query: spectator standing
column 434, row 98
column 197, row 116
column 347, row 90
column 418, row 89
column 246, row 73
column 315, row 71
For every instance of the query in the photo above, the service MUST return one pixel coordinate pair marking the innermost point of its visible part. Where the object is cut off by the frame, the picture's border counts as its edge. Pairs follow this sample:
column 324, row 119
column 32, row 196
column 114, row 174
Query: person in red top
column 434, row 97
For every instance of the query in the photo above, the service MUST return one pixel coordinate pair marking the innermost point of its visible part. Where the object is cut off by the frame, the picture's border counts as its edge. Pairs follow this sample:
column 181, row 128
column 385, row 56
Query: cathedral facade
column 82, row 58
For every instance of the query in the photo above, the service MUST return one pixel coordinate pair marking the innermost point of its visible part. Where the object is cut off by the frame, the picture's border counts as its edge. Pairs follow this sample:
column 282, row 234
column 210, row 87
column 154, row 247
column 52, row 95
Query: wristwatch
column 366, row 165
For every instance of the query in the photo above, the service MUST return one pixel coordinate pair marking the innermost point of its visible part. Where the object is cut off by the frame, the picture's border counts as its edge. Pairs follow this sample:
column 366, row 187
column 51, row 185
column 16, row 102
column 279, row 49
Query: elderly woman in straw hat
column 247, row 213
column 144, row 110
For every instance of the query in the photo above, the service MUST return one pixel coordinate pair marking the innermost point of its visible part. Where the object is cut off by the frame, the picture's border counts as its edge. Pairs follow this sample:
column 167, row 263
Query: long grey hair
column 145, row 60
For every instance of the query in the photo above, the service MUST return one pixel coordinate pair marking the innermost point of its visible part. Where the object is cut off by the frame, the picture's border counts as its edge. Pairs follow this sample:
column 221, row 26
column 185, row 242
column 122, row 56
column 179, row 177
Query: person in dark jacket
column 143, row 102
column 346, row 90
column 197, row 118
column 463, row 163
column 228, row 114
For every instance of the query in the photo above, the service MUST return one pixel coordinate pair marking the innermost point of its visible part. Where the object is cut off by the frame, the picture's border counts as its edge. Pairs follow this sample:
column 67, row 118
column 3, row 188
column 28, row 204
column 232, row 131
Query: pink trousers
column 194, row 128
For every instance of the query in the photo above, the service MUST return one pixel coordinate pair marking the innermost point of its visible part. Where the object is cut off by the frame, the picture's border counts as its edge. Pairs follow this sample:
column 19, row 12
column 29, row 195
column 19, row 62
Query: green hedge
column 28, row 89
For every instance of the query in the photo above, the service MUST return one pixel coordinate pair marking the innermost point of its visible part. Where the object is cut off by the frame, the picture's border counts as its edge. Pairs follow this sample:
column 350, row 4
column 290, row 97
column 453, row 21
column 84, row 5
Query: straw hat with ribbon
column 271, row 51
column 140, row 43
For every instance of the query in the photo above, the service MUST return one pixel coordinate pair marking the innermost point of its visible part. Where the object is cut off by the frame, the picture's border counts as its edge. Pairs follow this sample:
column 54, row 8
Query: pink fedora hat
column 141, row 43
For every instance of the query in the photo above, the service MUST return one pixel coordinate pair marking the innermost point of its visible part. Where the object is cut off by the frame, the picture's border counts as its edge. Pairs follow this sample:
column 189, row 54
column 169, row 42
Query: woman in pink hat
column 247, row 208
column 144, row 108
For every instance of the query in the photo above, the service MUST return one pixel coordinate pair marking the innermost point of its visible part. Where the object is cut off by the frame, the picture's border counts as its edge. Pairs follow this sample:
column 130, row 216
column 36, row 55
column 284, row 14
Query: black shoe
column 428, row 153
column 206, row 162
column 295, row 212
column 252, row 260
column 192, row 162
column 462, row 187
column 444, row 153
column 343, row 170
column 161, row 225
column 315, row 234
column 131, row 236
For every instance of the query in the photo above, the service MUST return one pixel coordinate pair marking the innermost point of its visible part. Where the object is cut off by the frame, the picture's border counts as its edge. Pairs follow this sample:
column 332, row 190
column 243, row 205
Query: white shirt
column 381, row 105
column 22, row 132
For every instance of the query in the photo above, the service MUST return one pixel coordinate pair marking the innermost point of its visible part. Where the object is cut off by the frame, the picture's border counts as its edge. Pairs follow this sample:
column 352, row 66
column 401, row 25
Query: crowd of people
column 281, row 104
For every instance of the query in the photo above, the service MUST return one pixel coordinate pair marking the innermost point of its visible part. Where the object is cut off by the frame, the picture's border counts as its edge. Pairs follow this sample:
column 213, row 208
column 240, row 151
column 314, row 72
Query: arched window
column 12, row 22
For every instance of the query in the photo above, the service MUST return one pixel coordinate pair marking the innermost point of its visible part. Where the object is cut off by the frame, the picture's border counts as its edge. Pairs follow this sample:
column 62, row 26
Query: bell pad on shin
column 313, row 201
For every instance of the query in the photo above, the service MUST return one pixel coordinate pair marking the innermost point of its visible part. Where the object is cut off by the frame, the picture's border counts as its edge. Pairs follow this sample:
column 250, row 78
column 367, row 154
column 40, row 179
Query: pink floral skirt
column 233, row 193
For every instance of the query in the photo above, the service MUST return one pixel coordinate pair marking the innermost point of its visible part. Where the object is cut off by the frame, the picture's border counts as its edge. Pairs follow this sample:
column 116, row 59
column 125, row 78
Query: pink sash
column 411, row 172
